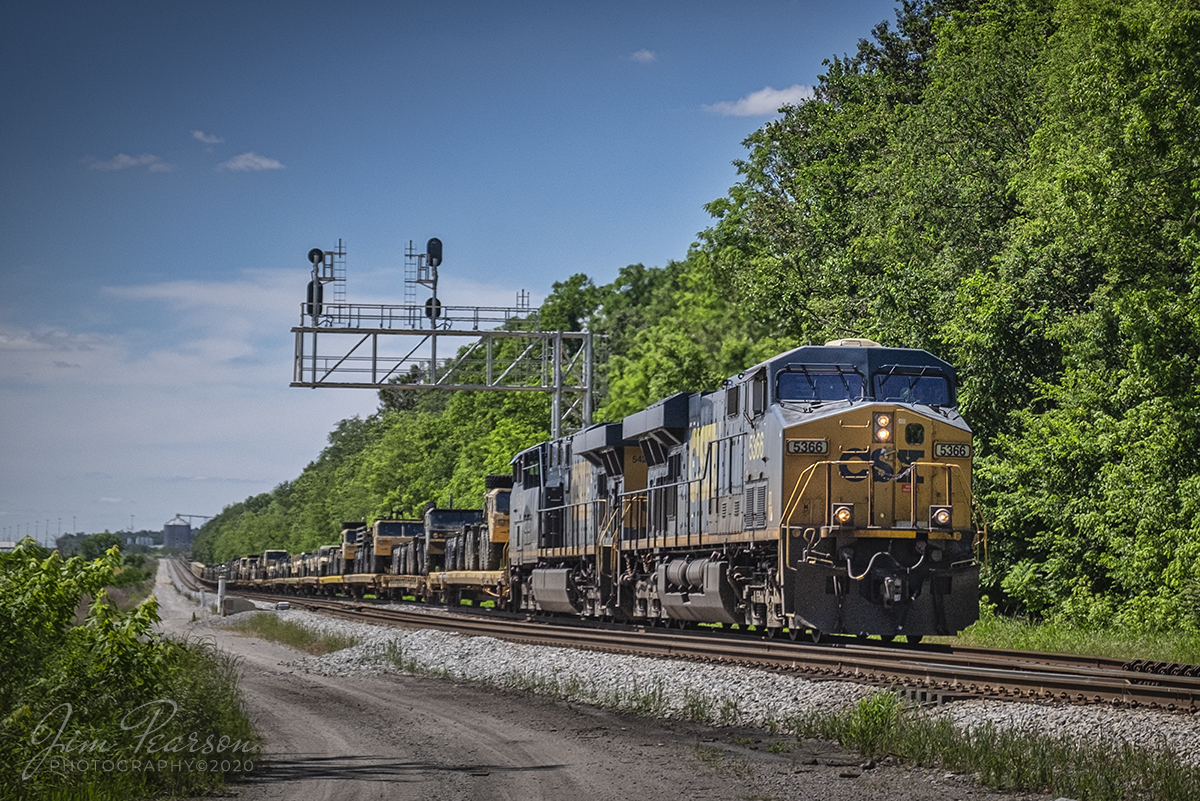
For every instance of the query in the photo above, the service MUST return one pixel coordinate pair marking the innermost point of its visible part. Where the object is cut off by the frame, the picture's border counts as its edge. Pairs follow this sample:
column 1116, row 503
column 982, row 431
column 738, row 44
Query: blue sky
column 166, row 166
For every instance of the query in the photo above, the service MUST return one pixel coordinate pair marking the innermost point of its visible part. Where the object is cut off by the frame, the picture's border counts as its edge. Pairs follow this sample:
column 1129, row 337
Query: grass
column 881, row 725
column 271, row 627
column 994, row 631
column 722, row 763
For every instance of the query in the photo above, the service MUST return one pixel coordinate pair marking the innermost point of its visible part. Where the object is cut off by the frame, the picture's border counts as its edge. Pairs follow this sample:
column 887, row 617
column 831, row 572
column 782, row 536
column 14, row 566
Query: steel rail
column 926, row 675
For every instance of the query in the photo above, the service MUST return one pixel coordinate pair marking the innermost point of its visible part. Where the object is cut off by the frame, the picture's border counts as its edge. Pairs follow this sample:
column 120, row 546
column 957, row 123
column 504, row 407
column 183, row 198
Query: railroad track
column 931, row 674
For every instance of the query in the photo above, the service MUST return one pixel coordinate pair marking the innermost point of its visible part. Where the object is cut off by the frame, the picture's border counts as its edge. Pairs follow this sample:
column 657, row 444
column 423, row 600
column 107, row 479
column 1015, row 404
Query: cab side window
column 758, row 393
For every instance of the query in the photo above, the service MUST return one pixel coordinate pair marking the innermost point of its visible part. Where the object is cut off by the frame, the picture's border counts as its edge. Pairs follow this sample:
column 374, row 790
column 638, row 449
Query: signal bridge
column 395, row 347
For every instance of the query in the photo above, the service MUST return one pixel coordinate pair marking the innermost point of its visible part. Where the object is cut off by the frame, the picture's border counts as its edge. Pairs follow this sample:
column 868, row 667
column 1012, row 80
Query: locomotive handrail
column 786, row 525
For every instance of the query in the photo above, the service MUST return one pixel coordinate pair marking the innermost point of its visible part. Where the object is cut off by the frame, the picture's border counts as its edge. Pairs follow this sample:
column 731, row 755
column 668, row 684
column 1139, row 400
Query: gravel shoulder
column 336, row 733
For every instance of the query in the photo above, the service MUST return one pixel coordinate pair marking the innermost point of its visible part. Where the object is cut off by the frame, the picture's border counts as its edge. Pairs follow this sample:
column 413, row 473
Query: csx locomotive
column 827, row 489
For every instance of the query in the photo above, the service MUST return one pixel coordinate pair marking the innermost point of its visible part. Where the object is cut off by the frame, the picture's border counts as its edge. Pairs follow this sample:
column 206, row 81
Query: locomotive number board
column 808, row 446
column 951, row 450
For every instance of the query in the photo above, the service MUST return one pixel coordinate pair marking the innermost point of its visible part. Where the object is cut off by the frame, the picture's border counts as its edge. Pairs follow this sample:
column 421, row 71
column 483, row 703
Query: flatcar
column 827, row 489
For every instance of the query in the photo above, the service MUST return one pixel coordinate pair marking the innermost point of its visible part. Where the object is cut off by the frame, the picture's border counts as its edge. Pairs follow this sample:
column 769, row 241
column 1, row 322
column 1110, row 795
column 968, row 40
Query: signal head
column 433, row 252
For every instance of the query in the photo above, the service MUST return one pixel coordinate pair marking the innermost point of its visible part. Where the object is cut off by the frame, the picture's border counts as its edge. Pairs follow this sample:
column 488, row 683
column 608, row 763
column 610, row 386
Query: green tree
column 96, row 545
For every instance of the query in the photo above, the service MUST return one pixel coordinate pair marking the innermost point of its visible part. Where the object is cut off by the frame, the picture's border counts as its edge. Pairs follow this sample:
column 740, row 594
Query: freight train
column 825, row 490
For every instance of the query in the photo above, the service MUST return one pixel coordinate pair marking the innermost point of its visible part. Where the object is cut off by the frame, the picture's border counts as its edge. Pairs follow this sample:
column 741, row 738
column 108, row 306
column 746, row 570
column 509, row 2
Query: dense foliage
column 1015, row 186
column 82, row 684
column 1011, row 184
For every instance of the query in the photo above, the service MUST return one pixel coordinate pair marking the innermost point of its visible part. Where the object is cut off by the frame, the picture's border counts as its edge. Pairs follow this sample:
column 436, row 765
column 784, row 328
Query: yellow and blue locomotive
column 827, row 489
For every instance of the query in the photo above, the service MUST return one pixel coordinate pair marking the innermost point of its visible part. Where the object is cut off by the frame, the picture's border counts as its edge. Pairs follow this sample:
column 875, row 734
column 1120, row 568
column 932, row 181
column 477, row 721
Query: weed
column 721, row 762
column 871, row 722
column 695, row 706
column 271, row 627
column 648, row 703
column 729, row 712
column 709, row 756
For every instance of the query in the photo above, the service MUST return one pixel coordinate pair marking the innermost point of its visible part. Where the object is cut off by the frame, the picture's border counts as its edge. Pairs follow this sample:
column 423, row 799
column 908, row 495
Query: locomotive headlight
column 842, row 515
column 883, row 428
column 940, row 516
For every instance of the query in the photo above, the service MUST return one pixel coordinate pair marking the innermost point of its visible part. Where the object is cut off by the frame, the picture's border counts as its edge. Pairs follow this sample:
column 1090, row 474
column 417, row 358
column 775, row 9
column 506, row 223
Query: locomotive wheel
column 913, row 639
column 815, row 634
column 887, row 637
column 794, row 633
column 772, row 632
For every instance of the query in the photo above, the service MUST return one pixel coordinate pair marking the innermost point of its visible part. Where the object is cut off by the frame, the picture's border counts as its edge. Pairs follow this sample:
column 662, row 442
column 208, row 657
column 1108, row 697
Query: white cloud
column 643, row 56
column 250, row 162
column 255, row 291
column 186, row 417
column 763, row 103
column 208, row 139
column 49, row 339
column 124, row 162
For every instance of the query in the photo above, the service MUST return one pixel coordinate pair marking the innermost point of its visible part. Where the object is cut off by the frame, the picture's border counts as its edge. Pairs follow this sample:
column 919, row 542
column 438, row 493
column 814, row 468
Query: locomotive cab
column 875, row 494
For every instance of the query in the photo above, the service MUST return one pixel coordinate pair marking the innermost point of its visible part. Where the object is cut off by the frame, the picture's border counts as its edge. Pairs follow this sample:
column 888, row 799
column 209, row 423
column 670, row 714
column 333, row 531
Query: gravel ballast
column 720, row 695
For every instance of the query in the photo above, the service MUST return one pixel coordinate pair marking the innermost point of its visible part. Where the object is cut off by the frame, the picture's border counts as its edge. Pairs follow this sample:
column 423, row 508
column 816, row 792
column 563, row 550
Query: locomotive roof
column 867, row 359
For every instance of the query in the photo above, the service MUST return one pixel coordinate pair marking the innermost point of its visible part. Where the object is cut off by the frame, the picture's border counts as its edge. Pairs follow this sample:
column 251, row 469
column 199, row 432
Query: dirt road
column 400, row 737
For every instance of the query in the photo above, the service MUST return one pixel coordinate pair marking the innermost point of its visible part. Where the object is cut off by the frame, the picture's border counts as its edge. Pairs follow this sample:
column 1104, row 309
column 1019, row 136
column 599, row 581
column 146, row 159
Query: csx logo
column 881, row 468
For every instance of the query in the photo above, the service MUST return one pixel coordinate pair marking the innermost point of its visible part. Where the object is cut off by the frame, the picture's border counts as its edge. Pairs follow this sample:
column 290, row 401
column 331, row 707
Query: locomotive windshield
column 913, row 385
column 808, row 385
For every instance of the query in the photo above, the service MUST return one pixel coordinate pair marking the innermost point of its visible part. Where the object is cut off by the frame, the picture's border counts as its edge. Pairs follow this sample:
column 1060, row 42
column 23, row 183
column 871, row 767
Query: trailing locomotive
column 826, row 489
